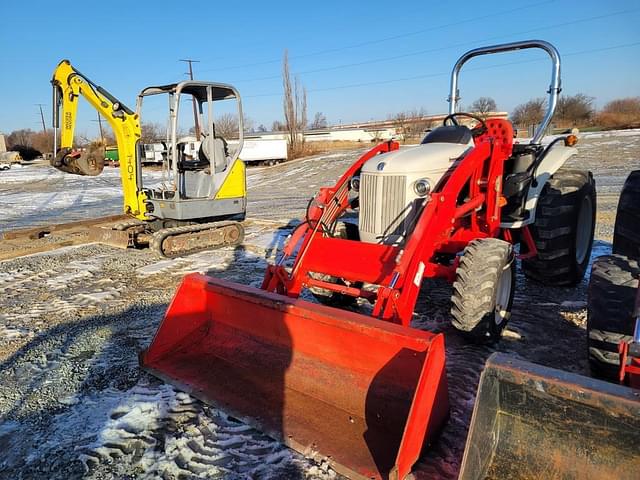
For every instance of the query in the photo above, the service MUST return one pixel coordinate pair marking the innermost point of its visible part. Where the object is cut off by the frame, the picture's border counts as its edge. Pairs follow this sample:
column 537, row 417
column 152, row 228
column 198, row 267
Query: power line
column 439, row 74
column 195, row 108
column 99, row 120
column 448, row 47
column 385, row 39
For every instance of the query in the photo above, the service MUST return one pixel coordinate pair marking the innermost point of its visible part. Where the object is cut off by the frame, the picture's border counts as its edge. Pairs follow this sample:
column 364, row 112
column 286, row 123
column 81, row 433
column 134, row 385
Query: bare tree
column 261, row 128
column 417, row 122
column 400, row 122
column 410, row 123
column 43, row 141
column 20, row 137
column 575, row 110
column 625, row 106
column 483, row 106
column 227, row 125
column 319, row 121
column 277, row 126
column 295, row 109
column 530, row 113
column 621, row 113
column 152, row 133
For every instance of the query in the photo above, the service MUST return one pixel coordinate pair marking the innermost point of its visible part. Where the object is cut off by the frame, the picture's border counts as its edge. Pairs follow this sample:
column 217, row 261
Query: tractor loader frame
column 445, row 226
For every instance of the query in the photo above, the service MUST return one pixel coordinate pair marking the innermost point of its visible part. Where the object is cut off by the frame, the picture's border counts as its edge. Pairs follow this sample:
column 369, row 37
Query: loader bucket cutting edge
column 534, row 422
column 364, row 394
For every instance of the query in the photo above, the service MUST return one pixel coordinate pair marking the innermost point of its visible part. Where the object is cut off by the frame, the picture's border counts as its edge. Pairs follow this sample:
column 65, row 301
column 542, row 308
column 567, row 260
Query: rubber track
column 612, row 291
column 158, row 237
column 626, row 236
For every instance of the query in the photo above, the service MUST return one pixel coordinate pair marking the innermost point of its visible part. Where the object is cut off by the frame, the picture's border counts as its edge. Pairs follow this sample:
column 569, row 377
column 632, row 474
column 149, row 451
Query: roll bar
column 554, row 88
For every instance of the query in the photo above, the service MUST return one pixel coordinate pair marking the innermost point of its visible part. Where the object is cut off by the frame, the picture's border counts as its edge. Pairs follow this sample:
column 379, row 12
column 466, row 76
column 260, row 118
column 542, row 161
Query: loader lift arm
column 68, row 85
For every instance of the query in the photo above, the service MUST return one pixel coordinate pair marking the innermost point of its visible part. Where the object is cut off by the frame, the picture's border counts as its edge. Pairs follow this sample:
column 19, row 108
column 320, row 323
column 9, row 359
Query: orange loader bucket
column 364, row 394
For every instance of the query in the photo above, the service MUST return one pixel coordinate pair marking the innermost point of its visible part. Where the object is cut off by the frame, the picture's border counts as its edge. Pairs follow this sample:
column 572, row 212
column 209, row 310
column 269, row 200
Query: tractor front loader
column 367, row 391
column 534, row 422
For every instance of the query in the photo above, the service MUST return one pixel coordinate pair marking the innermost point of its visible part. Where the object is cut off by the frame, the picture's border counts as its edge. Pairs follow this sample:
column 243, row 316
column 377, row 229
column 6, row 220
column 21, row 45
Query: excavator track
column 177, row 241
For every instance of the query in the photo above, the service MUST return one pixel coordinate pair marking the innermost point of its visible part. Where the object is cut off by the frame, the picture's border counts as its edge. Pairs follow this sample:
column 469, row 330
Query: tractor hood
column 430, row 159
column 388, row 199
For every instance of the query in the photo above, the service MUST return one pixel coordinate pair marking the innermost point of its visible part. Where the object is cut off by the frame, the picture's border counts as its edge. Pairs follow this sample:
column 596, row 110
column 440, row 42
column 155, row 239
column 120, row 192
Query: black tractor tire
column 626, row 236
column 483, row 290
column 562, row 234
column 612, row 292
column 348, row 231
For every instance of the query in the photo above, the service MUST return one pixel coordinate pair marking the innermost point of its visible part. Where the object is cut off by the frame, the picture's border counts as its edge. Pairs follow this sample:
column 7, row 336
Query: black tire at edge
column 626, row 235
column 612, row 291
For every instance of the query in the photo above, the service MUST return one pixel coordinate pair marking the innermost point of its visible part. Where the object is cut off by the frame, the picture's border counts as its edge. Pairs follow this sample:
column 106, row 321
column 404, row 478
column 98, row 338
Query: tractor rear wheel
column 483, row 289
column 626, row 236
column 612, row 292
column 563, row 229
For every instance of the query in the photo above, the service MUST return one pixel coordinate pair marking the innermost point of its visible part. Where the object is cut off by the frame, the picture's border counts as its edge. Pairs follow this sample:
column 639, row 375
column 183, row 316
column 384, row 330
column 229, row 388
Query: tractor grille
column 382, row 204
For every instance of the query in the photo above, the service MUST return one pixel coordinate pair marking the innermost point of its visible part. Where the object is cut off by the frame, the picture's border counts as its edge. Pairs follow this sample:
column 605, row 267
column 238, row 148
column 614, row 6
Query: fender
column 550, row 164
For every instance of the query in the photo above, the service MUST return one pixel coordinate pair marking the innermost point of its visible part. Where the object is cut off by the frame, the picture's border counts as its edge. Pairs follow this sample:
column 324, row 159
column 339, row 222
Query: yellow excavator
column 202, row 196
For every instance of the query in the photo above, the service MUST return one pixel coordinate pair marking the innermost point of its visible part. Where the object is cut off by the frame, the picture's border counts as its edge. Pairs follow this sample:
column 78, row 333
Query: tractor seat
column 448, row 134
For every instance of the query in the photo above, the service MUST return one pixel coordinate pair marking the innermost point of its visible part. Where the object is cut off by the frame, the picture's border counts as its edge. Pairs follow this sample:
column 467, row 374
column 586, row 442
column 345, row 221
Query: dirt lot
column 73, row 402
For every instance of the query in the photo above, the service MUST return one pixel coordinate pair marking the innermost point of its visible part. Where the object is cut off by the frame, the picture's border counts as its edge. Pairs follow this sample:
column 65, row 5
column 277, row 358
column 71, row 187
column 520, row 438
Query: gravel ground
column 73, row 403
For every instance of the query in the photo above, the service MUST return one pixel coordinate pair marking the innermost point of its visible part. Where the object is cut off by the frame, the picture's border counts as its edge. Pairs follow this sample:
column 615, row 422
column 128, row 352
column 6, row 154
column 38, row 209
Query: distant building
column 366, row 132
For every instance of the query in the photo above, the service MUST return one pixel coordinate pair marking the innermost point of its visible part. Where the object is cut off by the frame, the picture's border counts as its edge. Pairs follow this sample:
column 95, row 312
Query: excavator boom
column 68, row 85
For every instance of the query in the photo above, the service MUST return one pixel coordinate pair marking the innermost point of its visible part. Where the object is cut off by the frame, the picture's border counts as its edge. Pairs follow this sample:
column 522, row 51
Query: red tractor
column 365, row 390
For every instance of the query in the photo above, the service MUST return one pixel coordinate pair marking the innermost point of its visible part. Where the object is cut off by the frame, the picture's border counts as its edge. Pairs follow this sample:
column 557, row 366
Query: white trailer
column 154, row 153
column 258, row 151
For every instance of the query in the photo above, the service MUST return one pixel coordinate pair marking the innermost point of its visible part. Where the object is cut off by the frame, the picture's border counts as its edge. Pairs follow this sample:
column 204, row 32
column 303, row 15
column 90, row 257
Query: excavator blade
column 364, row 394
column 533, row 422
column 109, row 236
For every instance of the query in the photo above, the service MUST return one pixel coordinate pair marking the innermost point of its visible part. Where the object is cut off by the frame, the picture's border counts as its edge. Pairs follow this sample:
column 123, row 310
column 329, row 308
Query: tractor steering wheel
column 475, row 131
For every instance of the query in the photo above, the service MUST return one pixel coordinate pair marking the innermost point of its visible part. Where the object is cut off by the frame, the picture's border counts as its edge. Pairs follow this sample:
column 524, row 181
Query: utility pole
column 44, row 127
column 100, row 126
column 195, row 107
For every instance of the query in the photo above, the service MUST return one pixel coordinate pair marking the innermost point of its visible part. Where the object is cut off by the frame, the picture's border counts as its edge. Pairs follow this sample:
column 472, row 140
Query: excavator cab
column 203, row 177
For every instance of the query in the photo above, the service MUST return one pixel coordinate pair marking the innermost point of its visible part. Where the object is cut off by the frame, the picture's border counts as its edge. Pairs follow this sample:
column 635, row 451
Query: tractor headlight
column 355, row 184
column 422, row 187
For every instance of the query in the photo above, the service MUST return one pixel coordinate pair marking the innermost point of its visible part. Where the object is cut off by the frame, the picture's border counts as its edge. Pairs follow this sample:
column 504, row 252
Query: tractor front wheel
column 563, row 229
column 483, row 290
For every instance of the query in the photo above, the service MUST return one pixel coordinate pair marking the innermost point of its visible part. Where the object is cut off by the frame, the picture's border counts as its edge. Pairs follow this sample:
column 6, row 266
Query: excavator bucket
column 532, row 422
column 364, row 394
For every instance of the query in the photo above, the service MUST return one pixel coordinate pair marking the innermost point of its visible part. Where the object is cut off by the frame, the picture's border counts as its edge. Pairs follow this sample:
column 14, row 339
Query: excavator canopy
column 362, row 393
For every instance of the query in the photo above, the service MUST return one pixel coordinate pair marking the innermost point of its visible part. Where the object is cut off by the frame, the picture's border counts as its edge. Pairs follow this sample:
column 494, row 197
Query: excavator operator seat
column 214, row 150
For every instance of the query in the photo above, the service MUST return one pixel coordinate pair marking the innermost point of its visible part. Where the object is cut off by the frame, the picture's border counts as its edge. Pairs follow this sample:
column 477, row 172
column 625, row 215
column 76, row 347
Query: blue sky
column 358, row 60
